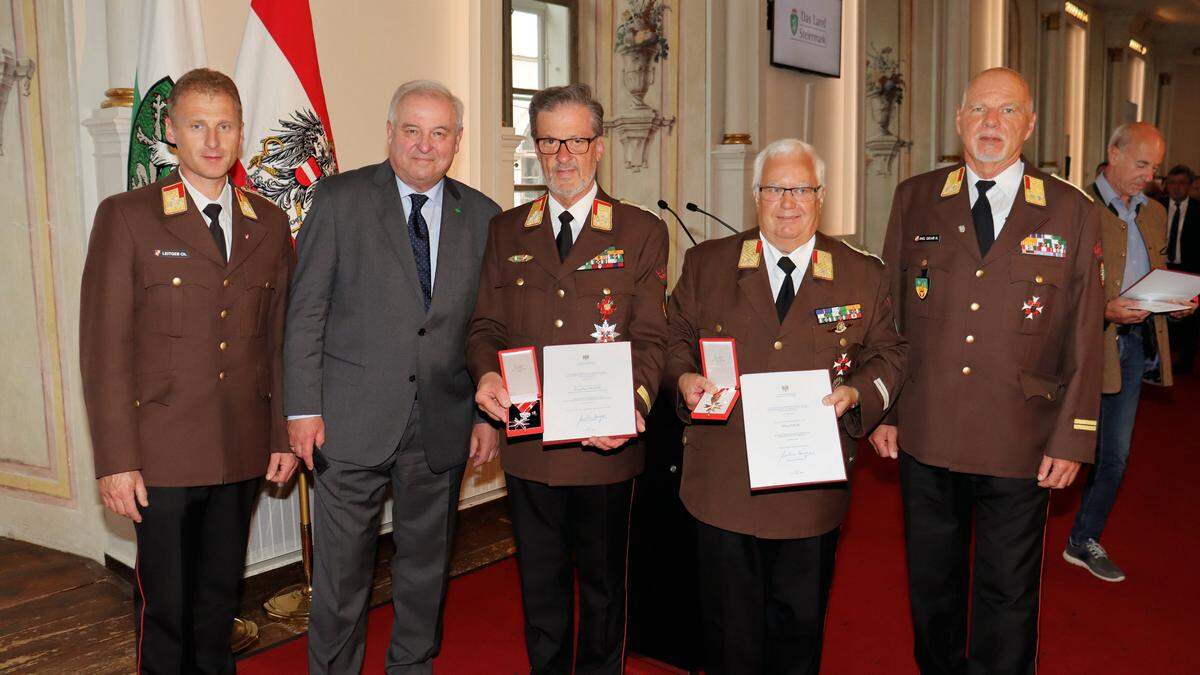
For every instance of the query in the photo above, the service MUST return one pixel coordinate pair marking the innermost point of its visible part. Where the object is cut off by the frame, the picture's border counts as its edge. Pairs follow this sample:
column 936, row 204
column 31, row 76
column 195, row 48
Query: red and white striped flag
column 289, row 143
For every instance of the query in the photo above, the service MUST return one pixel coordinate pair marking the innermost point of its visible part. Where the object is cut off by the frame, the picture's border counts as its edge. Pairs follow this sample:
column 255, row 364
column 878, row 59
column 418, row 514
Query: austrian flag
column 289, row 143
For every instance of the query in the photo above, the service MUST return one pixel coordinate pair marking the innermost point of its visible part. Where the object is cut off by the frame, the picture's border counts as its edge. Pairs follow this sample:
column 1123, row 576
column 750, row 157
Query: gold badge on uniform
column 535, row 212
column 520, row 258
column 954, row 182
column 244, row 204
column 1084, row 425
column 174, row 199
column 601, row 216
column 822, row 262
column 1035, row 191
column 751, row 255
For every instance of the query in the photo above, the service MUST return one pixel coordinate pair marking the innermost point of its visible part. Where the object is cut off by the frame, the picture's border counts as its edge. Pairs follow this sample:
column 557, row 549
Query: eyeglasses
column 575, row 146
column 803, row 194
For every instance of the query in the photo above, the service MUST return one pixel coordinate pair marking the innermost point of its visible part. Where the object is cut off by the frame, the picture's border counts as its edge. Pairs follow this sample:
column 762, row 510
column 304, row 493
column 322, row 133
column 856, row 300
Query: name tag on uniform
column 1049, row 245
column 927, row 238
column 165, row 253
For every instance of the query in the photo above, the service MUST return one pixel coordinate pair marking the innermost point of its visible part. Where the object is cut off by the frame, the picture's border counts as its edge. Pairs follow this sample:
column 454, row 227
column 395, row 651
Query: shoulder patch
column 862, row 252
column 1077, row 188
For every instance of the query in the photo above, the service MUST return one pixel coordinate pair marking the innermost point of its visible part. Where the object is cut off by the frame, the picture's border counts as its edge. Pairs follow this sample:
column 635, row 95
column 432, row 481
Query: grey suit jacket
column 359, row 346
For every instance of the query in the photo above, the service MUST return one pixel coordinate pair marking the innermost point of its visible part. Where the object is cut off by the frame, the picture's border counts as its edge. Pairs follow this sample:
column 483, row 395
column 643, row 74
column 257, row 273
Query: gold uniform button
column 970, row 339
column 224, row 314
column 225, row 283
column 778, row 345
column 137, row 404
column 966, row 370
column 608, row 291
column 558, row 323
column 561, row 293
column 684, row 441
column 1038, row 279
column 719, row 328
column 521, row 281
column 974, row 306
column 978, row 273
column 223, row 345
column 842, row 342
column 221, row 375
column 177, row 281
column 267, row 285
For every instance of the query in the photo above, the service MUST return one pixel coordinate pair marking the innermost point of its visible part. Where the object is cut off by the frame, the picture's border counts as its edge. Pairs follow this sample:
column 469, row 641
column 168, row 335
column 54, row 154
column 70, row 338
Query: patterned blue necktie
column 418, row 234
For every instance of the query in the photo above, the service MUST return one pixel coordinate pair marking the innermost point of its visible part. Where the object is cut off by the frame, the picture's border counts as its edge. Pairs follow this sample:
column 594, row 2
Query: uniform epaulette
column 1077, row 188
column 858, row 250
column 639, row 206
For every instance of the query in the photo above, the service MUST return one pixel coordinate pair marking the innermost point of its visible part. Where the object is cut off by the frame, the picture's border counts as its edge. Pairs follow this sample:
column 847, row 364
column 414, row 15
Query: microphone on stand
column 691, row 206
column 662, row 204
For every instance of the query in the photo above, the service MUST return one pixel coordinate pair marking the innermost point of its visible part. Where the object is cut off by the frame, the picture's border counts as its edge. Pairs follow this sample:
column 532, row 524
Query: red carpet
column 1144, row 625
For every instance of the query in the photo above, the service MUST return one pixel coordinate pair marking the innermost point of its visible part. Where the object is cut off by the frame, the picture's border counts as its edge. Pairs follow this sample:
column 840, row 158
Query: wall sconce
column 1138, row 47
column 1076, row 12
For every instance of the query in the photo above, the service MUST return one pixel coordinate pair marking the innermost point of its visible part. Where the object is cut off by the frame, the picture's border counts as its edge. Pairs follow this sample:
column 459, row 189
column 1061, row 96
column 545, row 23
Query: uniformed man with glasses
column 573, row 266
column 792, row 299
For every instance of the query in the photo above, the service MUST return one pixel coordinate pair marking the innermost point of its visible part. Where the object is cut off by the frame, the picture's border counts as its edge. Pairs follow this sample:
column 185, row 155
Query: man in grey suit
column 375, row 380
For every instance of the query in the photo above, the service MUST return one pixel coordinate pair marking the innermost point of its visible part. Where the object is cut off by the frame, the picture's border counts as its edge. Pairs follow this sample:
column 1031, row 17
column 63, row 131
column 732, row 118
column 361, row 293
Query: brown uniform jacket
column 180, row 353
column 1004, row 349
column 527, row 297
column 715, row 298
column 1152, row 221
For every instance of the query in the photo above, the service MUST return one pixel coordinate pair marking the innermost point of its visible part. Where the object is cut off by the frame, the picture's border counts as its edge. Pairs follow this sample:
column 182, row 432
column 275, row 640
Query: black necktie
column 418, row 236
column 787, row 292
column 981, row 213
column 213, row 211
column 1172, row 248
column 564, row 239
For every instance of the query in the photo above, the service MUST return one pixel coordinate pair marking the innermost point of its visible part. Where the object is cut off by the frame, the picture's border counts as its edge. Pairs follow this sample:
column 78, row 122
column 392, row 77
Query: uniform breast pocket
column 258, row 296
column 839, row 352
column 926, row 279
column 176, row 295
column 605, row 294
column 522, row 292
column 1034, row 295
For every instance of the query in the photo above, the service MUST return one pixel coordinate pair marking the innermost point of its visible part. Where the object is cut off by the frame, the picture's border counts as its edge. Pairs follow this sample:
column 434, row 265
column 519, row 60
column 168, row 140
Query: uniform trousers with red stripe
column 191, row 557
column 562, row 531
column 982, row 617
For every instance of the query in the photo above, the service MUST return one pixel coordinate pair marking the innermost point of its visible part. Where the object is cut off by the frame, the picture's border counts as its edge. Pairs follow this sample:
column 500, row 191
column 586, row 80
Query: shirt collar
column 1008, row 181
column 799, row 255
column 225, row 199
column 1111, row 198
column 579, row 210
column 434, row 193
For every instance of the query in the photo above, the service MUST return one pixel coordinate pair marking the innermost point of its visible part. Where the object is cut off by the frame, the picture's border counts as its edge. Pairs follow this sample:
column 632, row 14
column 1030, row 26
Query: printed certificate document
column 791, row 437
column 588, row 391
column 1160, row 290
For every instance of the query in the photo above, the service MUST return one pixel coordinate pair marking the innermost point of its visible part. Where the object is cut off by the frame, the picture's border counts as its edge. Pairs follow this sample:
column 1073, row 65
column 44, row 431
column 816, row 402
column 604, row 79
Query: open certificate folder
column 1161, row 290
column 791, row 437
column 519, row 369
column 718, row 357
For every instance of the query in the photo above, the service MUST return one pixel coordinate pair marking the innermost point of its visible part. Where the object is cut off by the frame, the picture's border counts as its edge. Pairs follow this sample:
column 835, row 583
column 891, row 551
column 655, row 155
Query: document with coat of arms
column 791, row 437
column 588, row 391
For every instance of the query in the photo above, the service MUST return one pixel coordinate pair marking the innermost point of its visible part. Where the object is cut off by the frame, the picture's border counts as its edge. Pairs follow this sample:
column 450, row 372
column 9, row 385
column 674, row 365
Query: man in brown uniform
column 574, row 266
column 1134, row 233
column 995, row 270
column 766, row 559
column 181, row 331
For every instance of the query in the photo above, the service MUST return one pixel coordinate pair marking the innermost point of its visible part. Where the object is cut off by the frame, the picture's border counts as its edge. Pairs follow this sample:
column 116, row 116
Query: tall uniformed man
column 791, row 299
column 573, row 266
column 377, row 387
column 181, row 332
column 1134, row 234
column 996, row 273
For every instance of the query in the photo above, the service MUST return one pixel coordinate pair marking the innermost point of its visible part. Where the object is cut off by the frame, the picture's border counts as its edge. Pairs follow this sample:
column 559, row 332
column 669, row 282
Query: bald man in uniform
column 995, row 271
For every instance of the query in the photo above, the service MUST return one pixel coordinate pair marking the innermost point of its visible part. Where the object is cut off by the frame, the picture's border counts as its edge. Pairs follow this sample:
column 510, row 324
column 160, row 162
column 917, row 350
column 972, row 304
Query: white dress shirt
column 432, row 211
column 579, row 212
column 1182, row 207
column 800, row 255
column 1001, row 195
column 225, row 201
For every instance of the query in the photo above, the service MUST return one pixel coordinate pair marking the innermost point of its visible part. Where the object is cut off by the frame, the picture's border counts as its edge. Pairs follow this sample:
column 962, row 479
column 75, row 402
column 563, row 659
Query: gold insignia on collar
column 536, row 208
column 751, row 254
column 954, row 182
column 244, row 204
column 822, row 264
column 520, row 258
column 601, row 216
column 174, row 199
column 1035, row 191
